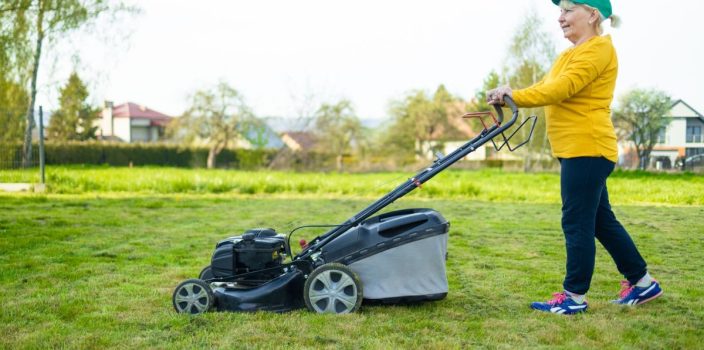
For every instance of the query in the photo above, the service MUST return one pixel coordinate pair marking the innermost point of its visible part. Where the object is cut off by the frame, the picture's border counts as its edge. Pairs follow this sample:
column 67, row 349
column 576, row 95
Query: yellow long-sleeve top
column 577, row 95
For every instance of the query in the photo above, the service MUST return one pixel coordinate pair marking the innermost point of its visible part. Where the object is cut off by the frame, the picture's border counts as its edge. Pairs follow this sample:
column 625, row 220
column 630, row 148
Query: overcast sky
column 281, row 53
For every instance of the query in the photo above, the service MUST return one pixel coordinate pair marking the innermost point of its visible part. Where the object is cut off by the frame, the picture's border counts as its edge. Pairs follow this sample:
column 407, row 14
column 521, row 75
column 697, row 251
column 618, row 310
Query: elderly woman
column 577, row 94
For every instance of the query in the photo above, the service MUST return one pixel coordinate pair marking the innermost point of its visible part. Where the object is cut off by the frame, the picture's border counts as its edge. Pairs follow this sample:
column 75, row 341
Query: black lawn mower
column 397, row 256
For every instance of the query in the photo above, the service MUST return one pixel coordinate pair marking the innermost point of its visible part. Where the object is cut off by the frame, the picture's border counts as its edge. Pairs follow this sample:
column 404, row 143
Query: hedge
column 125, row 154
column 140, row 154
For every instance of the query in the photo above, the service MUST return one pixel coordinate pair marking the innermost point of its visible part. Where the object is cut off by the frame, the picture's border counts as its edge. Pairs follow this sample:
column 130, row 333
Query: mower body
column 399, row 257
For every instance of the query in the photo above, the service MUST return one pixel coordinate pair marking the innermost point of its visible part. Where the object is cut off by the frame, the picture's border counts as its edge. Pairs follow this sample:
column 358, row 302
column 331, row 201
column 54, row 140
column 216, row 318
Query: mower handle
column 511, row 104
column 424, row 175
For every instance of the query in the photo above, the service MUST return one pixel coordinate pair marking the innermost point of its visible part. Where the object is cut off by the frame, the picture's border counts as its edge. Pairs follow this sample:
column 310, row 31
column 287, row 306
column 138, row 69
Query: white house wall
column 122, row 128
column 681, row 110
column 106, row 122
column 676, row 132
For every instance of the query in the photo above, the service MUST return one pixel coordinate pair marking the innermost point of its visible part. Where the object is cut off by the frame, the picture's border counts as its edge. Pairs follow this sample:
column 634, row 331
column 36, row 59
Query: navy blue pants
column 586, row 213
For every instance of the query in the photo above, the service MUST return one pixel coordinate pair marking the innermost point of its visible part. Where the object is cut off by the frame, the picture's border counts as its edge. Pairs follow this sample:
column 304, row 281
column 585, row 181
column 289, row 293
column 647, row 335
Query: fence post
column 41, row 145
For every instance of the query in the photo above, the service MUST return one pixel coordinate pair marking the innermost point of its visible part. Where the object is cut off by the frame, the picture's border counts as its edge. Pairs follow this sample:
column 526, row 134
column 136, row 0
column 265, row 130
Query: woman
column 577, row 94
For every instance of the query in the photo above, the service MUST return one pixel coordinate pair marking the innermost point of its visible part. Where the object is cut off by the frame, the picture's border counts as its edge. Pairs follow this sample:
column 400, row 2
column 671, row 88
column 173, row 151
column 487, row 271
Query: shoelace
column 558, row 298
column 626, row 288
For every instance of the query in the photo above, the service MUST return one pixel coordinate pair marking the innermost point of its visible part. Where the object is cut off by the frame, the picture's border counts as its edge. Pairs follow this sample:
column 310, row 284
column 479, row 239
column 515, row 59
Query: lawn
column 95, row 267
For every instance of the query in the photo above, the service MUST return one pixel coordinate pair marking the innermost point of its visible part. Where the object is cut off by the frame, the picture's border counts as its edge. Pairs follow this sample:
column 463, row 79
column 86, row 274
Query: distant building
column 298, row 140
column 259, row 136
column 131, row 122
column 681, row 138
column 443, row 142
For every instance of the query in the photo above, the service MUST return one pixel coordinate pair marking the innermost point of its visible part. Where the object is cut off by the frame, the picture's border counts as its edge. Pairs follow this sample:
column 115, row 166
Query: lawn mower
column 398, row 256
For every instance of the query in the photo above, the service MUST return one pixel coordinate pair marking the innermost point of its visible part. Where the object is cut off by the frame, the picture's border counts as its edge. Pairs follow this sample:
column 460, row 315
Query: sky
column 286, row 57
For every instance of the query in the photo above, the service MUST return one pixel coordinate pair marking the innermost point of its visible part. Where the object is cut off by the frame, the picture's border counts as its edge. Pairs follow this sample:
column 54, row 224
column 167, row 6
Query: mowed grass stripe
column 492, row 185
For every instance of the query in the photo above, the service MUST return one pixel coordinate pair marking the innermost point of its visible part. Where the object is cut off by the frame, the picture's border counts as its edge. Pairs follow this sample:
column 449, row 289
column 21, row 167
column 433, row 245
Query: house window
column 661, row 136
column 140, row 134
column 694, row 134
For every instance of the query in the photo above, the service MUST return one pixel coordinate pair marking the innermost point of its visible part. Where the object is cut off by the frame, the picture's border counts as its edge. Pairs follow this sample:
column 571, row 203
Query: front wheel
column 333, row 288
column 193, row 296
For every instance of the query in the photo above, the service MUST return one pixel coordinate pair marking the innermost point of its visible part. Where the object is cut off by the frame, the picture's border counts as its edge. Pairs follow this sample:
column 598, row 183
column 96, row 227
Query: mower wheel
column 193, row 296
column 333, row 288
column 206, row 273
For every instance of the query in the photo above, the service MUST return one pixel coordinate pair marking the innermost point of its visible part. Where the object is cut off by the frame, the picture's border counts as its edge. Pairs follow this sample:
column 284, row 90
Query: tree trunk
column 643, row 156
column 338, row 162
column 215, row 149
column 212, row 153
column 27, row 149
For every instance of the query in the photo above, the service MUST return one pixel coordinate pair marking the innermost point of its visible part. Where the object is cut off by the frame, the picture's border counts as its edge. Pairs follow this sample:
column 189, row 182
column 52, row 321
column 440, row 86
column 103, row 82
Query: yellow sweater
column 577, row 95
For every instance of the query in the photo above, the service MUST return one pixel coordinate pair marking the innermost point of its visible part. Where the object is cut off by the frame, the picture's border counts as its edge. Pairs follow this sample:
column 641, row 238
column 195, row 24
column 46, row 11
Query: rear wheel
column 193, row 296
column 333, row 288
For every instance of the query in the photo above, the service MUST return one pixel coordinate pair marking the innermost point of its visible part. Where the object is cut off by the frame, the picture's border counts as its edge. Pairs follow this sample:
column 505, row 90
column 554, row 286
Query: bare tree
column 214, row 118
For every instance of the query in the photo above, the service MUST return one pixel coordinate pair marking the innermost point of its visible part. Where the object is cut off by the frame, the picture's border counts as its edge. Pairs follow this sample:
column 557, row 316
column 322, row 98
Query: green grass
column 96, row 268
column 485, row 185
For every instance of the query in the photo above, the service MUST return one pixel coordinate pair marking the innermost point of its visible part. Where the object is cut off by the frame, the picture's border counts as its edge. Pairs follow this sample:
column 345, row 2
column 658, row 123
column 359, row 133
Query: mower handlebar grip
column 511, row 104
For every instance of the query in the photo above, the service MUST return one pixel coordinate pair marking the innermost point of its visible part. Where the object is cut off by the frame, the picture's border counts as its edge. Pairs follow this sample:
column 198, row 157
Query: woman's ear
column 594, row 16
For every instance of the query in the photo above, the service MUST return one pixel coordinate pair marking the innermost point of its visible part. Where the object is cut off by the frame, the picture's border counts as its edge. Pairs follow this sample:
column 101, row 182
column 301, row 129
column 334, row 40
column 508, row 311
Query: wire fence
column 13, row 154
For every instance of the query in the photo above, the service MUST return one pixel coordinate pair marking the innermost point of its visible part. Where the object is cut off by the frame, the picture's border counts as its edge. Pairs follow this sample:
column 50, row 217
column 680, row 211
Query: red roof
column 133, row 110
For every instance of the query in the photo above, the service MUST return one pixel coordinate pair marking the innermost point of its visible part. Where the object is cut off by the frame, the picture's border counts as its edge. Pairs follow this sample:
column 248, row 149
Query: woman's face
column 575, row 23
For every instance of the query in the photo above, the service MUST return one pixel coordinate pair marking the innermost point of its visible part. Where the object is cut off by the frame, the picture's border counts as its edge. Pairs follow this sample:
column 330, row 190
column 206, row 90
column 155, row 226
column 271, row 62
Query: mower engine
column 256, row 249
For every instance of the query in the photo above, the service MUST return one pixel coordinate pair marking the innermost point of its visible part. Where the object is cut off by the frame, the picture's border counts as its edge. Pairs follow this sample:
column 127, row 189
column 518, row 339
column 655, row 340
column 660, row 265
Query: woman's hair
column 615, row 20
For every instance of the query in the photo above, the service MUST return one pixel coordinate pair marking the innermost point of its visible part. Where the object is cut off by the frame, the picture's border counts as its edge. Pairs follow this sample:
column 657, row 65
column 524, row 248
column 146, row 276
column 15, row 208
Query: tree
column 33, row 23
column 337, row 128
column 492, row 81
column 420, row 121
column 13, row 100
column 530, row 56
column 13, row 97
column 640, row 117
column 214, row 118
column 75, row 117
column 255, row 131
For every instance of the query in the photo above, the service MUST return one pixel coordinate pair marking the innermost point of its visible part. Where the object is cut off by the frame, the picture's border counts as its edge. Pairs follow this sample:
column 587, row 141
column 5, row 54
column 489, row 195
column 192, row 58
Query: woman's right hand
column 496, row 96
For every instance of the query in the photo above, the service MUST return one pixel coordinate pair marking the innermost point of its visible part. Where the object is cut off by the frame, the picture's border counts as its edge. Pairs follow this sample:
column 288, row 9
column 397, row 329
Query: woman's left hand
column 496, row 96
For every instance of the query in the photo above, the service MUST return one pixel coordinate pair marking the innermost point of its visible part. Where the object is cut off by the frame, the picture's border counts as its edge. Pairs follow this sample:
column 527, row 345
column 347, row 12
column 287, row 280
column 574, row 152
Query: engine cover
column 255, row 250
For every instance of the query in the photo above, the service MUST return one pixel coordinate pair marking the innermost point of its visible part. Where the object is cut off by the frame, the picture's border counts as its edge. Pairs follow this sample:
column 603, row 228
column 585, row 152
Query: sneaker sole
column 649, row 299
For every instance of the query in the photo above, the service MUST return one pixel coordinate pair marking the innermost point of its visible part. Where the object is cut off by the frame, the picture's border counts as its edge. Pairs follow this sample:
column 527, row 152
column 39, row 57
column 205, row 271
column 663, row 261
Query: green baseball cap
column 604, row 6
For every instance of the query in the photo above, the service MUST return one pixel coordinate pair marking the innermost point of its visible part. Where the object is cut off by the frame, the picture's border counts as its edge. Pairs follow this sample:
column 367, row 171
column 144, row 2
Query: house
column 298, row 140
column 680, row 139
column 131, row 122
column 447, row 141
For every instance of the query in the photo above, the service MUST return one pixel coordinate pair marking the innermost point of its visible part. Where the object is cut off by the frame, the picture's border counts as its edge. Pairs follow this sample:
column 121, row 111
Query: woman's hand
column 496, row 96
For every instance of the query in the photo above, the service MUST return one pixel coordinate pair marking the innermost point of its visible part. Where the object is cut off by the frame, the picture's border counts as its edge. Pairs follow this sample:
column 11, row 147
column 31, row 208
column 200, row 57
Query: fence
column 11, row 156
